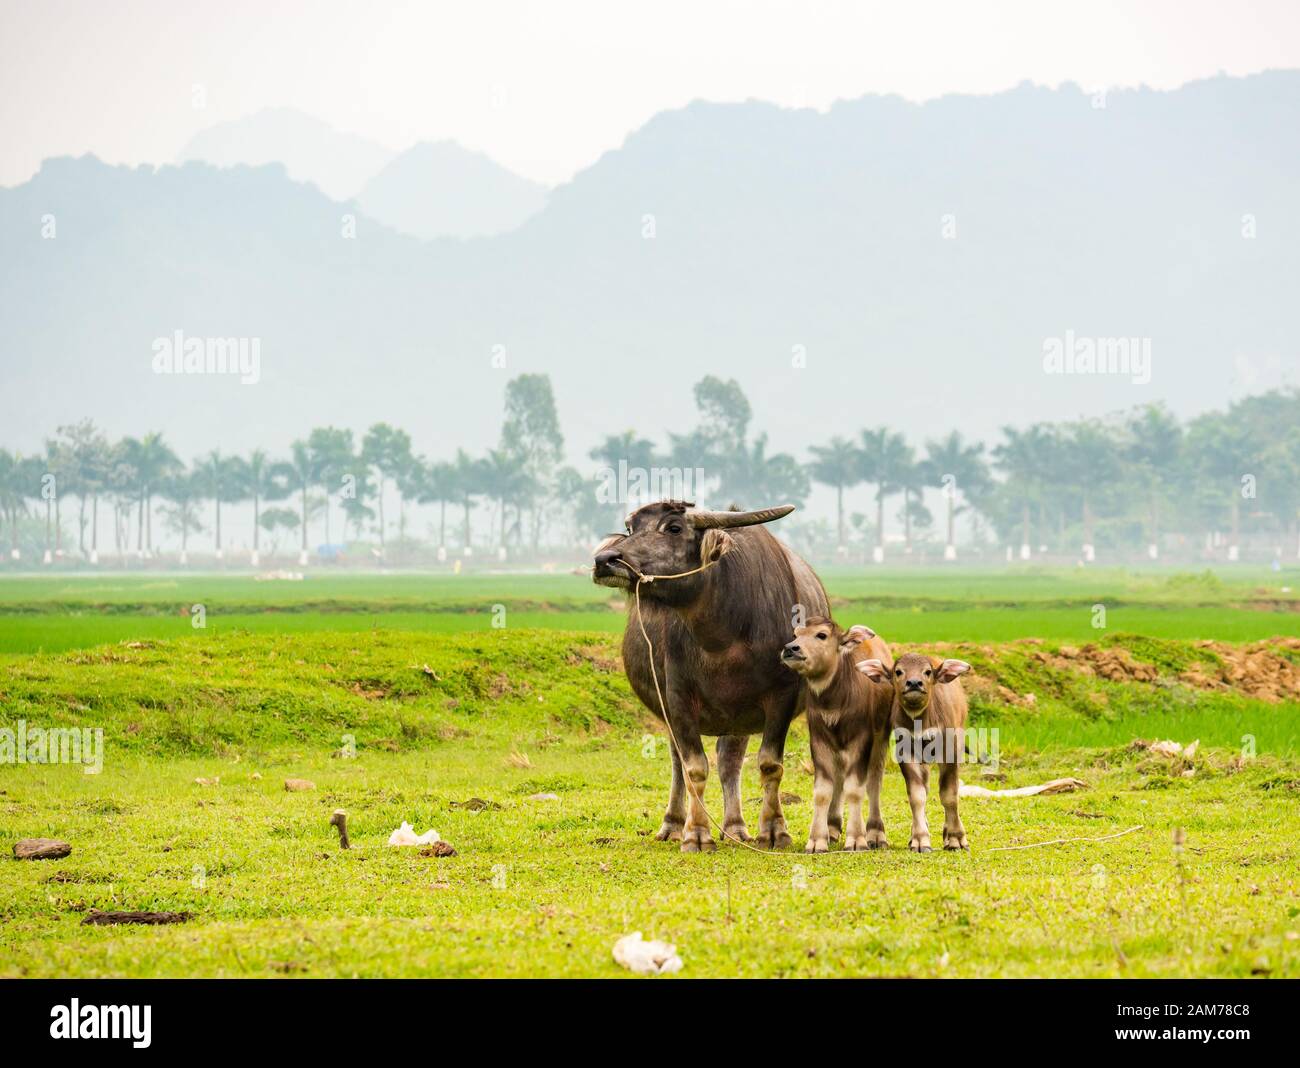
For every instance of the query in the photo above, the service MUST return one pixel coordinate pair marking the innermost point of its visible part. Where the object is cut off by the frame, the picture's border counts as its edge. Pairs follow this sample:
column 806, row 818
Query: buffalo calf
column 848, row 727
column 928, row 717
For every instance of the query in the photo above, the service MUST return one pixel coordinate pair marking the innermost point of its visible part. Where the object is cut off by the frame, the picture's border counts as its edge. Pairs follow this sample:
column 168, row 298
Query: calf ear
column 874, row 670
column 715, row 545
column 950, row 669
column 853, row 637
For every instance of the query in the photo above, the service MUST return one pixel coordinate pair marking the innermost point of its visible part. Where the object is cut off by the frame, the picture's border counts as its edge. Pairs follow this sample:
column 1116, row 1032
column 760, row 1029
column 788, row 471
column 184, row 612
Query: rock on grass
column 41, row 849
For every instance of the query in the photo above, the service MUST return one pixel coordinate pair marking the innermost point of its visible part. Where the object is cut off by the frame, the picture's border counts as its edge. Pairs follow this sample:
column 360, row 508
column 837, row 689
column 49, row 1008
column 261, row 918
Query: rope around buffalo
column 663, row 707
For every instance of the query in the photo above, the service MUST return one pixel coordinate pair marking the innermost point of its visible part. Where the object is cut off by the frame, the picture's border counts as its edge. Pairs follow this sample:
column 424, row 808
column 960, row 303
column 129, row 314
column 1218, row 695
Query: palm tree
column 884, row 457
column 958, row 469
column 263, row 481
column 300, row 473
column 388, row 451
column 437, row 483
column 333, row 462
column 14, row 473
column 152, row 460
column 470, row 481
column 90, row 453
column 505, row 479
column 184, row 490
column 1020, row 457
column 222, row 480
column 1155, row 447
column 838, row 465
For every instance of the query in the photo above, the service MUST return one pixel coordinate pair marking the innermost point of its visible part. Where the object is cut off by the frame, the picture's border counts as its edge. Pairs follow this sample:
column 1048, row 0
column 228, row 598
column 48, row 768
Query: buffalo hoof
column 816, row 845
column 669, row 831
column 774, row 838
column 698, row 840
column 737, row 832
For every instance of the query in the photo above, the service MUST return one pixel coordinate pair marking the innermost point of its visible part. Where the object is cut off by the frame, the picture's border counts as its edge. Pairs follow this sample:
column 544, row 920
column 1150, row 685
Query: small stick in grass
column 340, row 820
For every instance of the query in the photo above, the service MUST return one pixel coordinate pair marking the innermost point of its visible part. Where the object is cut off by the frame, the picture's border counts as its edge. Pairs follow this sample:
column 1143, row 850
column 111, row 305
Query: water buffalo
column 717, row 638
column 929, row 720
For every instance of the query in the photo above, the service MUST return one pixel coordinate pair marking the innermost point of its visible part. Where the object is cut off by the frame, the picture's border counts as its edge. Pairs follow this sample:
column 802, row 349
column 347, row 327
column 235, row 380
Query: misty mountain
column 442, row 190
column 338, row 164
column 881, row 263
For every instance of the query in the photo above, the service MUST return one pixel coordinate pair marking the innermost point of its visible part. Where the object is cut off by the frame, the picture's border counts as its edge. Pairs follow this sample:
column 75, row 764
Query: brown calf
column 928, row 717
column 848, row 729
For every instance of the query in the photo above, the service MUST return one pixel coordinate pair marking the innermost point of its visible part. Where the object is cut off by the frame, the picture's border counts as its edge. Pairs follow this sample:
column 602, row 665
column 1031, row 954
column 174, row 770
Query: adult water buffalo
column 717, row 640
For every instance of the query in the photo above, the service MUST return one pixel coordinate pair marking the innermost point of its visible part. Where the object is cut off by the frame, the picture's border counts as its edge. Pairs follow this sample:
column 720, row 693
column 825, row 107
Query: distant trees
column 1138, row 478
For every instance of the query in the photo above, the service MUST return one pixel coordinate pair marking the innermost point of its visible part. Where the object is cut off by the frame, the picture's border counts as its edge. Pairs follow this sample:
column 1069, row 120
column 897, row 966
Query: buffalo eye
column 675, row 528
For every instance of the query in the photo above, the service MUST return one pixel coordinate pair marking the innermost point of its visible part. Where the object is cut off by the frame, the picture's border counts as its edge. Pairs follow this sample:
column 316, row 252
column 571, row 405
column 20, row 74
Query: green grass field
column 289, row 679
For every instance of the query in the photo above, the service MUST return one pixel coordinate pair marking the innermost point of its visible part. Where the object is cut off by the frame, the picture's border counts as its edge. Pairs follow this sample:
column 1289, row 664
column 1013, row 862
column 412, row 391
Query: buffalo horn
column 705, row 520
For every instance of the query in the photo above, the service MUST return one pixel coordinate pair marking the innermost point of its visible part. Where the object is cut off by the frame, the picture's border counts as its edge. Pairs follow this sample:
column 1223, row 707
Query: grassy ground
column 544, row 887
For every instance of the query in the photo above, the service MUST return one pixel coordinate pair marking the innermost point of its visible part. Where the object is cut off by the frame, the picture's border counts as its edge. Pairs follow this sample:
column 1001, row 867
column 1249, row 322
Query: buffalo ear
column 715, row 544
column 853, row 637
column 950, row 669
column 874, row 670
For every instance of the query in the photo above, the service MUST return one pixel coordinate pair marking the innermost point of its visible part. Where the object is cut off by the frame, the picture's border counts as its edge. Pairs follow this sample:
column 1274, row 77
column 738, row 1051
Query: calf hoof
column 816, row 845
column 669, row 831
column 920, row 845
column 857, row 845
column 698, row 840
column 738, row 832
column 774, row 838
column 955, row 842
column 875, row 838
column 833, row 830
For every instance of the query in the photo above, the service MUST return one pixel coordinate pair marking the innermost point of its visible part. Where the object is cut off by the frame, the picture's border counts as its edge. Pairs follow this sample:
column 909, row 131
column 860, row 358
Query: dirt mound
column 1257, row 669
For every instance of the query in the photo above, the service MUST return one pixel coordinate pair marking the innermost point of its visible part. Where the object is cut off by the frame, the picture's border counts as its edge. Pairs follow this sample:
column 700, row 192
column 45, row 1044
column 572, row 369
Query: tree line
column 1129, row 480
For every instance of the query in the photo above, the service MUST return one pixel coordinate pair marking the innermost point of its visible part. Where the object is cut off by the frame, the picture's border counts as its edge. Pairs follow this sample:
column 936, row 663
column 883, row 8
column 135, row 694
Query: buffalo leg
column 835, row 815
column 772, row 831
column 855, row 831
column 675, row 814
column 823, row 792
column 731, row 756
column 917, row 777
column 875, row 831
column 954, row 834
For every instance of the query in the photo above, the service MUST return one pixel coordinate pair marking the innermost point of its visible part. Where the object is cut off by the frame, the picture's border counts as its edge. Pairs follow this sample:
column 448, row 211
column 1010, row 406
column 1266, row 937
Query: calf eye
column 927, row 673
column 898, row 673
column 821, row 637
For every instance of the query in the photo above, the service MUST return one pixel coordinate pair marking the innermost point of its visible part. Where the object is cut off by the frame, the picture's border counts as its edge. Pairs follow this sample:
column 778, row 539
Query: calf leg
column 731, row 756
column 855, row 831
column 823, row 793
column 675, row 814
column 835, row 816
column 917, row 777
column 954, row 834
column 772, row 831
column 875, row 829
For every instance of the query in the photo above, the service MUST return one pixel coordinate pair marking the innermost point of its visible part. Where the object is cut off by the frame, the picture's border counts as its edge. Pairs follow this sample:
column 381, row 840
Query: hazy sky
column 545, row 88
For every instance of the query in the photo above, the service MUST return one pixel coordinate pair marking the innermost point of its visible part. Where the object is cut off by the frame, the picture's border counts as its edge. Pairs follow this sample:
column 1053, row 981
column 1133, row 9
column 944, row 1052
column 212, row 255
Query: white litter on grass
column 1170, row 748
column 405, row 836
column 1056, row 786
column 647, row 958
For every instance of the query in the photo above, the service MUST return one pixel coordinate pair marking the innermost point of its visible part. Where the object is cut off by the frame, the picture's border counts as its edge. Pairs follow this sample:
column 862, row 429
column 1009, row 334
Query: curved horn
column 705, row 520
